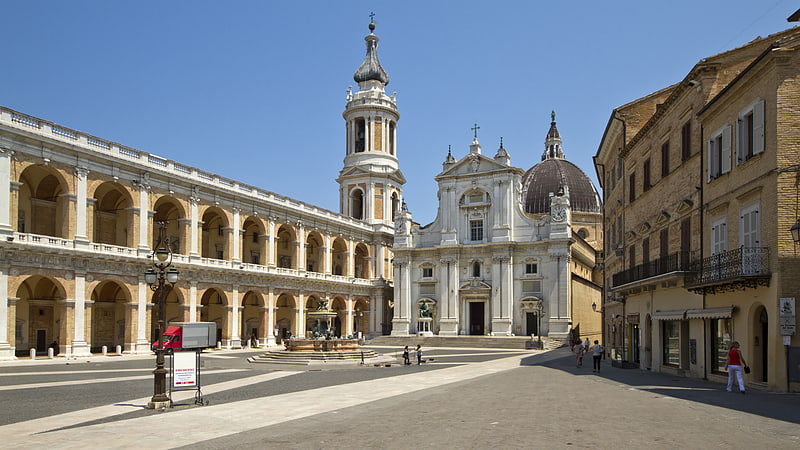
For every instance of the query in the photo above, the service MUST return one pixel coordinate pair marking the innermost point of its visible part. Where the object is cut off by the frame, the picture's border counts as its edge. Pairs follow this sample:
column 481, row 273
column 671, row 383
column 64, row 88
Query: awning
column 712, row 313
column 669, row 315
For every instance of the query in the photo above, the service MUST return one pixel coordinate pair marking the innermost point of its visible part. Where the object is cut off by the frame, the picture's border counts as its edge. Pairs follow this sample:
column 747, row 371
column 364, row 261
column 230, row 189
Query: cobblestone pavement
column 464, row 400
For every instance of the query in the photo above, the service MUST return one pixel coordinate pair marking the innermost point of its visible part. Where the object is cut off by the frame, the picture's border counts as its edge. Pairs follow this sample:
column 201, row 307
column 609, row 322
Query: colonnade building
column 79, row 220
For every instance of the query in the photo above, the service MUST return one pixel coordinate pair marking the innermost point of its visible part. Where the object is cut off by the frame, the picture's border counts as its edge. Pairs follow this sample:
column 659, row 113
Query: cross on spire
column 372, row 17
column 475, row 129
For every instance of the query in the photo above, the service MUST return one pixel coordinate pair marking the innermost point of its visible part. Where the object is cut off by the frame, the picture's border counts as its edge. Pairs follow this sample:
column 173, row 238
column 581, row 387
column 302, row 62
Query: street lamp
column 539, row 311
column 161, row 278
column 795, row 230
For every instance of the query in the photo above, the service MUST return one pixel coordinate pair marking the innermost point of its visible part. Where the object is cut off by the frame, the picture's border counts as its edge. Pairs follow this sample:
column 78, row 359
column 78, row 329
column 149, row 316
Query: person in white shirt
column 597, row 353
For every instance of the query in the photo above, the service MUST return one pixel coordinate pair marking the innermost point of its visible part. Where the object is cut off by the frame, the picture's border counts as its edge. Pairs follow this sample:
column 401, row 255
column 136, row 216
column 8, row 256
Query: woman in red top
column 735, row 364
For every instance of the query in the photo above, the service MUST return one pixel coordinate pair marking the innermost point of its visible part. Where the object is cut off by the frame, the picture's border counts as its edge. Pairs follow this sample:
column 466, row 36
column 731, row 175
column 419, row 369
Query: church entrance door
column 531, row 324
column 476, row 313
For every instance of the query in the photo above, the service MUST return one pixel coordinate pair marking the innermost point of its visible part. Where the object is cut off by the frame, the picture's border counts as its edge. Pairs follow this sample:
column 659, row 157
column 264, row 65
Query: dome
column 553, row 174
column 548, row 177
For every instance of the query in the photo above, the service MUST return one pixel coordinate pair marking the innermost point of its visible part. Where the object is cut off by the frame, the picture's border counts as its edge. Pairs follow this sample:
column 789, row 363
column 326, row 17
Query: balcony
column 667, row 267
column 738, row 269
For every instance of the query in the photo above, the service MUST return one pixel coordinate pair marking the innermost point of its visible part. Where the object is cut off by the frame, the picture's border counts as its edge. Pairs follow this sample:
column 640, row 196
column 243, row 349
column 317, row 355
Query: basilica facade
column 509, row 253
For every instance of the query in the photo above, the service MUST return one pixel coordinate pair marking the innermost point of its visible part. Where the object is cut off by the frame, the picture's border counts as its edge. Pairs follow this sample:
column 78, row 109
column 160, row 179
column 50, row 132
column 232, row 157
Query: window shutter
column 758, row 127
column 741, row 147
column 713, row 164
column 725, row 164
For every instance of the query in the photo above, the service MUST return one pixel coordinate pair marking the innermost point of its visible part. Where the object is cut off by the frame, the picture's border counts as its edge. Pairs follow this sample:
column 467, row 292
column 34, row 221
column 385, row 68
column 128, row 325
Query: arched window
column 395, row 206
column 357, row 204
column 391, row 137
column 476, row 269
column 361, row 135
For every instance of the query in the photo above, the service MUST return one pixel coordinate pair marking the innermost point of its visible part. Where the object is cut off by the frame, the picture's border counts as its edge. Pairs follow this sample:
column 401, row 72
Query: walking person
column 586, row 344
column 597, row 353
column 419, row 354
column 735, row 364
column 406, row 356
column 578, row 350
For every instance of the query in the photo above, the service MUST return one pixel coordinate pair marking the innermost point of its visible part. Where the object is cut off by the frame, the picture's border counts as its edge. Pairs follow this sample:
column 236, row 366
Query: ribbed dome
column 549, row 176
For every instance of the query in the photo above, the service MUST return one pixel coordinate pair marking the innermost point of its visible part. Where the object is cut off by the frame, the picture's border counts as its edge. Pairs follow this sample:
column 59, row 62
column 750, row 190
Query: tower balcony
column 738, row 269
column 669, row 270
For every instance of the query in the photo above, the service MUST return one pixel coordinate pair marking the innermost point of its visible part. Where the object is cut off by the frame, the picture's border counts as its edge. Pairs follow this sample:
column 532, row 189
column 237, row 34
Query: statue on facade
column 424, row 310
column 322, row 304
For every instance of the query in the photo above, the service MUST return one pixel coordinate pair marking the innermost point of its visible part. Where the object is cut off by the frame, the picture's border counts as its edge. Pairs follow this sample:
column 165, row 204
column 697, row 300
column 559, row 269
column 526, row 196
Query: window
column 255, row 237
column 613, row 177
column 664, row 159
column 531, row 268
column 360, row 135
column 476, row 269
column 220, row 231
column 749, row 227
column 583, row 233
column 719, row 236
column 391, row 137
column 664, row 244
column 632, row 188
column 686, row 141
column 719, row 153
column 751, row 133
column 720, row 342
column 632, row 256
column 427, row 272
column 476, row 230
column 645, row 250
column 671, row 344
column 255, row 258
column 357, row 204
column 619, row 229
column 619, row 168
column 646, row 178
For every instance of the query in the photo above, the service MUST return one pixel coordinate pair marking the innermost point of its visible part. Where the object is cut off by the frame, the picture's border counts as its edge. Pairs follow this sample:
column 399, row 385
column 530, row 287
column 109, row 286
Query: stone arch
column 339, row 256
column 110, row 322
column 252, row 242
column 253, row 316
column 214, row 304
column 475, row 195
column 174, row 311
column 395, row 205
column 361, row 316
column 758, row 357
column 43, row 207
column 41, row 315
column 285, row 309
column 216, row 234
column 169, row 210
column 113, row 215
column 362, row 261
column 356, row 198
column 285, row 243
column 339, row 306
column 315, row 244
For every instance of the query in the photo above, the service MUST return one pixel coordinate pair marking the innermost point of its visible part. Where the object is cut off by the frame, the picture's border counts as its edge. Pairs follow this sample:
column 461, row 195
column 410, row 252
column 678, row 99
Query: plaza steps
column 322, row 358
column 503, row 342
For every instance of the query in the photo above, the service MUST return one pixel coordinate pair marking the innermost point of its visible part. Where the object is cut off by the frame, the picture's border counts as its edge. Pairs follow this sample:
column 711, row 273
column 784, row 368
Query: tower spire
column 371, row 69
column 552, row 143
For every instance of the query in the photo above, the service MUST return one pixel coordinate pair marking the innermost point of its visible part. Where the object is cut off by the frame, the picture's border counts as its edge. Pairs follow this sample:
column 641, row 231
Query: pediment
column 473, row 163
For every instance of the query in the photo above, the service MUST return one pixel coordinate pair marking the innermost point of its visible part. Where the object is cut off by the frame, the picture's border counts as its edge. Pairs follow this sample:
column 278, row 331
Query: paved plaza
column 462, row 398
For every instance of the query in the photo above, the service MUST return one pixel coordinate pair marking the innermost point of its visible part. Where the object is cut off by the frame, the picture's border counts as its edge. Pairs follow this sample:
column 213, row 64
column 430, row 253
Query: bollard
column 119, row 350
column 219, row 345
column 104, row 349
column 50, row 353
column 33, row 353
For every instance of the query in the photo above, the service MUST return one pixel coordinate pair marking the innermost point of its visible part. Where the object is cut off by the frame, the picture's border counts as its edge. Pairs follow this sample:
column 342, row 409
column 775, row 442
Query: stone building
column 700, row 184
column 509, row 253
column 78, row 225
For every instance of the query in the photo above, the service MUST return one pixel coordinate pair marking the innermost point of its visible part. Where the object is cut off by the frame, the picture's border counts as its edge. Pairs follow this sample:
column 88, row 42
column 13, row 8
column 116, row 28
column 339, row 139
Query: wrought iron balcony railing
column 676, row 262
column 731, row 267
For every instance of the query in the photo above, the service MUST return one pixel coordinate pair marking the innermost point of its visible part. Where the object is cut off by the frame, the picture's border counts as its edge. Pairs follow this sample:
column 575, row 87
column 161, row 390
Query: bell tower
column 370, row 183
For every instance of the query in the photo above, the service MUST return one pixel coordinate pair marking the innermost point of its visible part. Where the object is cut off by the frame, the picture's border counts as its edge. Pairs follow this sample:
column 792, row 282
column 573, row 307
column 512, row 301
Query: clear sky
column 254, row 90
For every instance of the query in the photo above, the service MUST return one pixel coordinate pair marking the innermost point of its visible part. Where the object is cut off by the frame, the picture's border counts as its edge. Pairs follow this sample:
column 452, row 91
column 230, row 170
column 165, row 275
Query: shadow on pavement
column 774, row 405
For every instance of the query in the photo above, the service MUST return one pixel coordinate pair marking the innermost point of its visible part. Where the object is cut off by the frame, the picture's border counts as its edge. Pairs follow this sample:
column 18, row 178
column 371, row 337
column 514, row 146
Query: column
column 236, row 254
column 380, row 259
column 449, row 320
column 193, row 301
column 327, row 256
column 401, row 321
column 6, row 230
column 144, row 215
column 142, row 329
column 79, row 345
column 81, row 238
column 375, row 314
column 6, row 352
column 270, row 326
column 236, row 312
column 348, row 323
column 351, row 258
column 271, row 242
column 301, row 315
column 369, row 202
column 194, row 234
column 301, row 247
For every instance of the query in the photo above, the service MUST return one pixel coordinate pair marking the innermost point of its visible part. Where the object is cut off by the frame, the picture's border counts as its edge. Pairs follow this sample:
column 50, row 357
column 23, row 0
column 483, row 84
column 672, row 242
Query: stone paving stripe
column 69, row 372
column 14, row 387
column 209, row 422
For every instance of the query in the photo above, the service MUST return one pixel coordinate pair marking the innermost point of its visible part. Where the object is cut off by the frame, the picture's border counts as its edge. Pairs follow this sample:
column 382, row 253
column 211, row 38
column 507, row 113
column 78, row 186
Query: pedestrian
column 419, row 354
column 597, row 353
column 406, row 356
column 578, row 350
column 54, row 346
column 735, row 364
column 586, row 344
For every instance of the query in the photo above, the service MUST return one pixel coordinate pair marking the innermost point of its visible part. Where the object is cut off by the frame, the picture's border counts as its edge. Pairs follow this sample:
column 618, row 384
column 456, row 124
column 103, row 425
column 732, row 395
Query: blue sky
column 254, row 90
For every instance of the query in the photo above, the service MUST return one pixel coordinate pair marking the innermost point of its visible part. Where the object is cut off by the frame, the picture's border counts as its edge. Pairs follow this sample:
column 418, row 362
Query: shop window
column 720, row 342
column 672, row 343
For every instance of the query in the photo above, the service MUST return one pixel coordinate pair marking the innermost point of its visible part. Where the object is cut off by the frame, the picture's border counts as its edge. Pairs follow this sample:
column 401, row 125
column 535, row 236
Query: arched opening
column 112, row 215
column 41, row 316
column 760, row 352
column 284, row 247
column 284, row 317
column 42, row 205
column 339, row 257
column 110, row 316
column 392, row 129
column 252, row 241
column 215, row 235
column 362, row 261
column 173, row 311
column 252, row 314
column 395, row 206
column 357, row 204
column 168, row 209
column 338, row 305
column 361, row 316
column 361, row 135
column 213, row 309
column 476, row 269
column 314, row 252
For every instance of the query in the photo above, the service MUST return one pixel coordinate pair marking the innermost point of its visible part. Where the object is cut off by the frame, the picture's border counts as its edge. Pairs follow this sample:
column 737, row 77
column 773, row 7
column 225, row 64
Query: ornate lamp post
column 539, row 312
column 161, row 278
